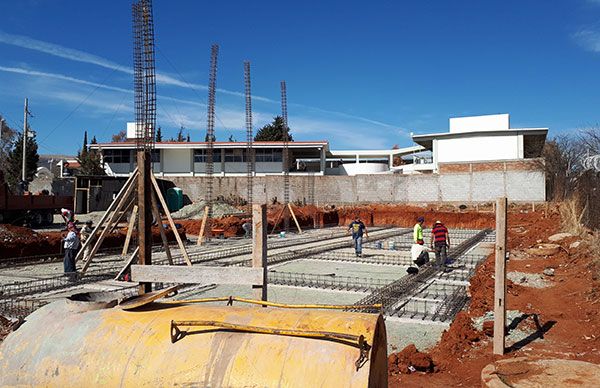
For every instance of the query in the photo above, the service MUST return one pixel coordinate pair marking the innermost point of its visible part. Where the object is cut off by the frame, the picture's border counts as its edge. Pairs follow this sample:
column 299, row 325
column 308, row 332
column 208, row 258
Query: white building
column 486, row 138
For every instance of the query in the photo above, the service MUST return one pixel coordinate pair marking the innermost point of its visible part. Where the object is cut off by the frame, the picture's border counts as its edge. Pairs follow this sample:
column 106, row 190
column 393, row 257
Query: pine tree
column 89, row 160
column 94, row 141
column 273, row 131
column 7, row 136
column 188, row 138
column 158, row 135
column 180, row 134
column 15, row 159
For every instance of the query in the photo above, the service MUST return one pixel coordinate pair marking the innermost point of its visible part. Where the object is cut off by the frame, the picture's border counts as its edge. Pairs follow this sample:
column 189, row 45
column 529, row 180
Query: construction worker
column 440, row 241
column 85, row 234
column 418, row 231
column 67, row 215
column 71, row 245
column 358, row 228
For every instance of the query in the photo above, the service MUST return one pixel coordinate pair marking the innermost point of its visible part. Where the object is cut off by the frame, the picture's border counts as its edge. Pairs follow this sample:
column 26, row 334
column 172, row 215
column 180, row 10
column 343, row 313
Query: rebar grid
column 364, row 259
column 347, row 283
column 390, row 294
column 250, row 165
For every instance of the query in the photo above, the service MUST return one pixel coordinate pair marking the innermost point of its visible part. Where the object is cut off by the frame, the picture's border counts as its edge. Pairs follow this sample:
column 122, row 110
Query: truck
column 32, row 209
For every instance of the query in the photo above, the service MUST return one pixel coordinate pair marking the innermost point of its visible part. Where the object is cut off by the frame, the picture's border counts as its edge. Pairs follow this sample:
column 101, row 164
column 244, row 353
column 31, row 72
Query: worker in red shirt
column 440, row 242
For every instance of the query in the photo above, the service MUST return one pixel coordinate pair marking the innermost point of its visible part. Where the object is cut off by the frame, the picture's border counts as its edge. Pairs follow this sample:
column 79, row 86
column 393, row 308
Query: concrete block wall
column 475, row 186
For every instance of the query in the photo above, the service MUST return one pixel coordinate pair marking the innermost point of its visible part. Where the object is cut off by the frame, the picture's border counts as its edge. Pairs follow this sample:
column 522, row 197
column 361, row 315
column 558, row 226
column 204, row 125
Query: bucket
column 282, row 234
column 378, row 245
column 392, row 245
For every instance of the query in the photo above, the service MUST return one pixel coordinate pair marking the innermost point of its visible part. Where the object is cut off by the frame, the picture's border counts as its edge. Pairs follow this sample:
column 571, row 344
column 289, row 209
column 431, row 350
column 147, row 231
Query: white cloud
column 588, row 38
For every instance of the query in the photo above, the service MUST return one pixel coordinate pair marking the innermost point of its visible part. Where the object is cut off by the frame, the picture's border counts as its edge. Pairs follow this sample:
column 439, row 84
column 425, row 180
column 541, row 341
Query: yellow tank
column 67, row 344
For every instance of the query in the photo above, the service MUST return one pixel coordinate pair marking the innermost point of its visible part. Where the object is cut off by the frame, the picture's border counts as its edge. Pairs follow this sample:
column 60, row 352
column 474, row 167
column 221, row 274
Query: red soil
column 568, row 311
column 17, row 241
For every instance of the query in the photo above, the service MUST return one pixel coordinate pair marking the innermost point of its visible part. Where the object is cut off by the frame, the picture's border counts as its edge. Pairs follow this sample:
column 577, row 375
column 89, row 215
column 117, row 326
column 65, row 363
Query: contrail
column 84, row 57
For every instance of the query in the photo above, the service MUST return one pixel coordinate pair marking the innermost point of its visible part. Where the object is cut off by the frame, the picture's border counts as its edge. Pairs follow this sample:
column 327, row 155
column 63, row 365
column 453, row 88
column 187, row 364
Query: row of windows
column 201, row 156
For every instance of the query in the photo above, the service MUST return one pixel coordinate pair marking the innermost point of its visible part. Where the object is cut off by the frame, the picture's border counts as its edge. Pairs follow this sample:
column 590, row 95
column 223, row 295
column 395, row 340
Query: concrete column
column 259, row 247
column 435, row 155
column 323, row 159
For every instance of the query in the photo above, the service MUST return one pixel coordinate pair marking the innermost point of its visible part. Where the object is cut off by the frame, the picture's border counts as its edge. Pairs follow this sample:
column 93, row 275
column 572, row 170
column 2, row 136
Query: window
column 268, row 155
column 155, row 156
column 117, row 156
column 201, row 156
column 235, row 156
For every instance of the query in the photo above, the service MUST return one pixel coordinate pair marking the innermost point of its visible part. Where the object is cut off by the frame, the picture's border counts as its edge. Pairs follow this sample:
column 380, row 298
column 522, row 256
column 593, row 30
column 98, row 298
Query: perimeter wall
column 519, row 180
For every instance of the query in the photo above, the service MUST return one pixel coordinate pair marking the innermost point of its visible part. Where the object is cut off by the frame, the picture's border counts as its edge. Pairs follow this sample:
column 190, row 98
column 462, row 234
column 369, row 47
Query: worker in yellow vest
column 418, row 231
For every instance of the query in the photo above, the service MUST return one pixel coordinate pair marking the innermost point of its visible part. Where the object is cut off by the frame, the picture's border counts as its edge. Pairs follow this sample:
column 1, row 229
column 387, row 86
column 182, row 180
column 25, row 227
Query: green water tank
column 174, row 199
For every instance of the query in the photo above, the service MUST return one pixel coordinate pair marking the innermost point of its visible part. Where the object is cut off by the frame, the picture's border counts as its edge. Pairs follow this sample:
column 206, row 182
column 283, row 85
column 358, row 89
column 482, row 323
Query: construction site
column 200, row 269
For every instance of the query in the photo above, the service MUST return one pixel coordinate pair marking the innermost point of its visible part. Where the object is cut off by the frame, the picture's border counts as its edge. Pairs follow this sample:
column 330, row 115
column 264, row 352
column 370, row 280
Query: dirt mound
column 195, row 211
column 16, row 241
column 409, row 360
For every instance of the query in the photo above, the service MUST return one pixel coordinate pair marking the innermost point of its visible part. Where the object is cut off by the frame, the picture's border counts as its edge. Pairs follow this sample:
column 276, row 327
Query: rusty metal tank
column 67, row 344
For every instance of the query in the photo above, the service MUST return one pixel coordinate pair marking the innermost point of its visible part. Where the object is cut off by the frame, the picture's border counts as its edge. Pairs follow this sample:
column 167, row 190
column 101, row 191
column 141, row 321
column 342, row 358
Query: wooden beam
column 105, row 231
column 259, row 248
column 198, row 274
column 500, row 277
column 161, row 229
column 203, row 226
column 129, row 262
column 129, row 230
column 295, row 219
column 107, row 213
column 170, row 219
column 123, row 213
column 277, row 219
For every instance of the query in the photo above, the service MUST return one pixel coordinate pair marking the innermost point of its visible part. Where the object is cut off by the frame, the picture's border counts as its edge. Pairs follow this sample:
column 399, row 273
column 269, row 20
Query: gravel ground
column 528, row 279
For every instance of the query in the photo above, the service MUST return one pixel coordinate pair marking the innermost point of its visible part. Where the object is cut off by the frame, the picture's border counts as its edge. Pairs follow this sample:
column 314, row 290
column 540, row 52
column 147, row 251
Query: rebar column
column 285, row 158
column 210, row 134
column 249, row 150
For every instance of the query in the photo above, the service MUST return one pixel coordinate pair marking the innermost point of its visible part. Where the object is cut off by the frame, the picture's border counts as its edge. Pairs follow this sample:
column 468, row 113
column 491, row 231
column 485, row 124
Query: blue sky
column 359, row 74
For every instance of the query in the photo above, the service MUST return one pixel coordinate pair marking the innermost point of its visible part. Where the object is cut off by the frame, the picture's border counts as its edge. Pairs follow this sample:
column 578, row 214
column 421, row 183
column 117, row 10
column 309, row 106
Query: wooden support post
column 295, row 219
column 170, row 219
column 105, row 231
column 129, row 230
column 277, row 219
column 123, row 213
column 161, row 229
column 144, row 229
column 128, row 264
column 203, row 226
column 114, row 203
column 500, row 277
column 259, row 247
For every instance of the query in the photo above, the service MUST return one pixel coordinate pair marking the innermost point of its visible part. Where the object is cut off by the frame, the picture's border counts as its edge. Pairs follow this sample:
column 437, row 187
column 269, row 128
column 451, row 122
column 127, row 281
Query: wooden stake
column 129, row 262
column 114, row 203
column 500, row 278
column 277, row 219
column 129, row 230
column 295, row 219
column 105, row 231
column 170, row 219
column 259, row 247
column 161, row 229
column 203, row 226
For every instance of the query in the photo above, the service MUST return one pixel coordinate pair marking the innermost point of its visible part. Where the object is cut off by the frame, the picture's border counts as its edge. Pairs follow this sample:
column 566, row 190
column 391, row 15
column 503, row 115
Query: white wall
column 477, row 148
column 479, row 123
column 176, row 160
column 362, row 168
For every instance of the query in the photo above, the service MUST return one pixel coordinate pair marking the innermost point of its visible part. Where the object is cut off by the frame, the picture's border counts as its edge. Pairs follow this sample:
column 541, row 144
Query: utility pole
column 25, row 116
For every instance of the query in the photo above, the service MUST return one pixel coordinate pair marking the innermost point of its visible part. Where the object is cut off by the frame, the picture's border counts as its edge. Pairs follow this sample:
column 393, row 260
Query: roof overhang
column 375, row 153
column 427, row 140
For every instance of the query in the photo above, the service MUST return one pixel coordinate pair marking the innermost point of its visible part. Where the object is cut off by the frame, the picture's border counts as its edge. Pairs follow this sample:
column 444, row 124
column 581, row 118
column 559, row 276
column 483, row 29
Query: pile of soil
column 195, row 211
column 409, row 360
column 17, row 241
column 567, row 311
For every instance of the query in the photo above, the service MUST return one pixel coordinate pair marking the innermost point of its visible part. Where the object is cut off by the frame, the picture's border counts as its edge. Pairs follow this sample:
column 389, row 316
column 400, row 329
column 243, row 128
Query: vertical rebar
column 210, row 133
column 249, row 150
column 285, row 158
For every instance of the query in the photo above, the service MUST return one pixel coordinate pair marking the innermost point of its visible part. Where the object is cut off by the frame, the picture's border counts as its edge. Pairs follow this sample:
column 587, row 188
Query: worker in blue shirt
column 357, row 227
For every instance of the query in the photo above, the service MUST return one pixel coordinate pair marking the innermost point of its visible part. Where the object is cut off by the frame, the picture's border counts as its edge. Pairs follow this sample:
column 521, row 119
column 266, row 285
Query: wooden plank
column 202, row 226
column 277, row 219
column 129, row 262
column 161, row 229
column 123, row 214
column 105, row 231
column 107, row 213
column 259, row 248
column 129, row 230
column 198, row 274
column 295, row 219
column 141, row 300
column 500, row 278
column 170, row 219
